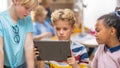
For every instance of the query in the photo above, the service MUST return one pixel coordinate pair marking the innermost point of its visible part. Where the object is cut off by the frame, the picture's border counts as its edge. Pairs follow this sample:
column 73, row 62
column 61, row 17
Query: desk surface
column 87, row 40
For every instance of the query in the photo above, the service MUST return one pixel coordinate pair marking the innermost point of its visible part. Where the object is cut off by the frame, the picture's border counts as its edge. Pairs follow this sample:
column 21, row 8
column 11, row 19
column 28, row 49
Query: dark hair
column 111, row 20
column 117, row 8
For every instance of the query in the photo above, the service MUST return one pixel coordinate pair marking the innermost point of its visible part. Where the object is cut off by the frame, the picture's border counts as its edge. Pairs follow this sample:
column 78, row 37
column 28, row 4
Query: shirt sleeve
column 94, row 63
column 84, row 55
column 29, row 27
column 35, row 32
column 1, row 29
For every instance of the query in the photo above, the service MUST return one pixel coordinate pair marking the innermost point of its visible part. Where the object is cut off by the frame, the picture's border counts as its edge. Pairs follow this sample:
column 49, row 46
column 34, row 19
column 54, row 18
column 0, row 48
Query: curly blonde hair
column 63, row 14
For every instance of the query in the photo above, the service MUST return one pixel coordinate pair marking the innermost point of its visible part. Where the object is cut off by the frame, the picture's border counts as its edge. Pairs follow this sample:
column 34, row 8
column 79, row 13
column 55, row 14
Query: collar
column 113, row 49
column 117, row 14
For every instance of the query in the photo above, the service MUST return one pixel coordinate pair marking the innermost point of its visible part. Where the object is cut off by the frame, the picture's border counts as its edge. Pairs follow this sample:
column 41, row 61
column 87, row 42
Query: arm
column 38, row 37
column 80, row 56
column 29, row 51
column 41, row 64
column 1, row 53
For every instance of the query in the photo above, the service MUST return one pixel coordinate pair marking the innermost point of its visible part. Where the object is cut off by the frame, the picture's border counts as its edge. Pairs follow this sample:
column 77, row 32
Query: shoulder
column 76, row 43
column 27, row 18
column 36, row 24
column 26, row 21
column 47, row 23
column 77, row 46
column 3, row 15
column 100, row 49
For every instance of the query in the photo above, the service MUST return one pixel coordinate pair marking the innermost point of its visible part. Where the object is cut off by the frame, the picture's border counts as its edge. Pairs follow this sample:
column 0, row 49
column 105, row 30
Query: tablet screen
column 53, row 50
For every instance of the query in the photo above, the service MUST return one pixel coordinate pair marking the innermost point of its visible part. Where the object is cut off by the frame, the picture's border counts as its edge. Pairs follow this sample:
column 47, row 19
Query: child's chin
column 100, row 42
column 21, row 17
column 61, row 39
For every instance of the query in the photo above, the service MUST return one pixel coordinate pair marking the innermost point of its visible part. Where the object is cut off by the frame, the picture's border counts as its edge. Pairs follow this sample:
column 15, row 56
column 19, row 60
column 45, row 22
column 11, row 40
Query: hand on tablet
column 36, row 52
column 71, row 60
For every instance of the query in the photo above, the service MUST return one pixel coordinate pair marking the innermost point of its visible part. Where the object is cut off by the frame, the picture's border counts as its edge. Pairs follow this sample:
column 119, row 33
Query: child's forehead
column 99, row 23
column 63, row 22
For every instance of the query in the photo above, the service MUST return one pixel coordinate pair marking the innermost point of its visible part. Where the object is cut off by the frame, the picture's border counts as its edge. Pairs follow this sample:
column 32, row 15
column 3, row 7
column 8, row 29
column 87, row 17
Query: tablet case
column 53, row 50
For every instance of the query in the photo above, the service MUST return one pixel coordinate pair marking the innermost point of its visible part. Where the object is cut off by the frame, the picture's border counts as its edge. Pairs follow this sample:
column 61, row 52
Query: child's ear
column 73, row 28
column 113, row 31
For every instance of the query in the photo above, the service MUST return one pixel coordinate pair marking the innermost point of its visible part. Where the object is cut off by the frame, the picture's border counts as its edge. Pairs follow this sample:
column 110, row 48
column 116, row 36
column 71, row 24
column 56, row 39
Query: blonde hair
column 28, row 3
column 38, row 11
column 63, row 14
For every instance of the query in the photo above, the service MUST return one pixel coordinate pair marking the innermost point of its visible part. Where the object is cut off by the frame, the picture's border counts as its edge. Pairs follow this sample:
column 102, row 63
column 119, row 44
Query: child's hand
column 36, row 52
column 71, row 60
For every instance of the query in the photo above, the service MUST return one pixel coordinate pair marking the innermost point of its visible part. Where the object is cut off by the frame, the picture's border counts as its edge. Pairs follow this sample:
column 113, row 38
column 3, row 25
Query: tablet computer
column 53, row 50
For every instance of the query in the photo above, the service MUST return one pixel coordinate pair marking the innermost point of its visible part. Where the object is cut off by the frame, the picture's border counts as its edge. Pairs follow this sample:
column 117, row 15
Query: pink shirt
column 106, row 57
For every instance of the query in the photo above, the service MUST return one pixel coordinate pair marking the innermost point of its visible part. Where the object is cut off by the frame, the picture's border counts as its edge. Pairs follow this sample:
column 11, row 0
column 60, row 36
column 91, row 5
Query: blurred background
column 90, row 10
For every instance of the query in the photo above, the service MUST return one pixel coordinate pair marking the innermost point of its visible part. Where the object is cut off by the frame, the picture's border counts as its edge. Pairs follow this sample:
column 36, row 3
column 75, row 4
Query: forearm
column 38, row 37
column 1, row 58
column 29, row 56
column 41, row 64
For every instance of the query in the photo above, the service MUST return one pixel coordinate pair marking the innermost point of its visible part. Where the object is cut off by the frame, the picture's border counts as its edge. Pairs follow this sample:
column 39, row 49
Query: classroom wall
column 96, row 8
column 3, row 5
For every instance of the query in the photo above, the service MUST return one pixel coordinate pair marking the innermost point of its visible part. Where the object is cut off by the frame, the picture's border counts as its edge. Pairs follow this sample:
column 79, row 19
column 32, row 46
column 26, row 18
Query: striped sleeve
column 84, row 55
column 80, row 52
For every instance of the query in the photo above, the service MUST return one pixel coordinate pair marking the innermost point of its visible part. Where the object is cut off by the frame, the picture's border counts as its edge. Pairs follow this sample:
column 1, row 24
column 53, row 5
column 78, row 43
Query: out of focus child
column 42, row 29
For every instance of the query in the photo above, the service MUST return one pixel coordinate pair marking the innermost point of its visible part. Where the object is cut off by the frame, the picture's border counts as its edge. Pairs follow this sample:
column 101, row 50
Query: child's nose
column 61, row 31
column 95, row 34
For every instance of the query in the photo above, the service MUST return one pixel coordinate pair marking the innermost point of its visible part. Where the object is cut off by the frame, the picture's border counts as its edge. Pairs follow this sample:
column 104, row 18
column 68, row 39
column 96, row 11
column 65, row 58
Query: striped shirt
column 106, row 57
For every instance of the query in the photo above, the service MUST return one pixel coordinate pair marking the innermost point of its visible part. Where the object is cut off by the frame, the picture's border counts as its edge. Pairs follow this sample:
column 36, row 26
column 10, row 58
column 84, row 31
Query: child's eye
column 27, row 8
column 58, row 29
column 65, row 29
column 97, row 30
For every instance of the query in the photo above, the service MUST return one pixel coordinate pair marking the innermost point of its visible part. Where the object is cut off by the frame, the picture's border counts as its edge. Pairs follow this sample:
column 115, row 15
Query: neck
column 13, row 14
column 113, row 43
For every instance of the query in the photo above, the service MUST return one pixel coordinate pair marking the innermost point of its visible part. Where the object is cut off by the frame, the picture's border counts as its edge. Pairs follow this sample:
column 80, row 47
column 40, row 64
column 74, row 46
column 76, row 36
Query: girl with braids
column 108, row 36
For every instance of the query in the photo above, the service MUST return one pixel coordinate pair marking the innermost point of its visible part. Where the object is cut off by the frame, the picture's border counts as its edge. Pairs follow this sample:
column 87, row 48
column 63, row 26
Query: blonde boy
column 16, row 44
column 63, row 21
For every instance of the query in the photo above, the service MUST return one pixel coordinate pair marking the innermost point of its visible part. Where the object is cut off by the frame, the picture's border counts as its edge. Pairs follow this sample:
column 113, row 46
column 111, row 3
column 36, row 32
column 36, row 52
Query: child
column 47, row 6
column 78, row 24
column 108, row 35
column 42, row 29
column 63, row 21
column 16, row 44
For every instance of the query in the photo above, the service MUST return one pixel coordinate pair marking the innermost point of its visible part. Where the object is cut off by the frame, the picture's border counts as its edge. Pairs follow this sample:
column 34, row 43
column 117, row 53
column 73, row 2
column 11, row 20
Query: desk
column 88, row 40
column 89, row 43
